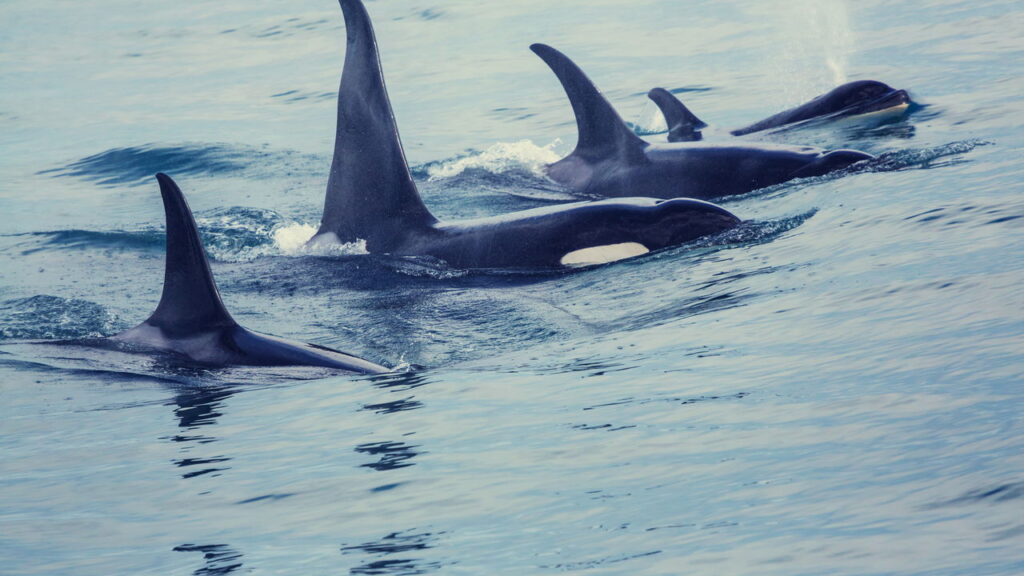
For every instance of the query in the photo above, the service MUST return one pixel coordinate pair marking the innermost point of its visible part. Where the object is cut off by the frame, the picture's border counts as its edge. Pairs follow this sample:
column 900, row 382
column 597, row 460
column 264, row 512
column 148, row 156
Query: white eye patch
column 603, row 254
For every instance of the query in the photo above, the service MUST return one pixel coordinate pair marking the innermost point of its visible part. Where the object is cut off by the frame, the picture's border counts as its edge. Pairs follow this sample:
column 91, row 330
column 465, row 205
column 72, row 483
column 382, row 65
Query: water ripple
column 45, row 317
column 136, row 165
column 994, row 495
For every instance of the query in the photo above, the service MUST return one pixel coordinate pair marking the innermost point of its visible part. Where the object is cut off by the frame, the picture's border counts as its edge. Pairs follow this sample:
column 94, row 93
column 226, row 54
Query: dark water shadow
column 390, row 455
column 396, row 543
column 400, row 383
column 219, row 559
column 197, row 409
column 1001, row 494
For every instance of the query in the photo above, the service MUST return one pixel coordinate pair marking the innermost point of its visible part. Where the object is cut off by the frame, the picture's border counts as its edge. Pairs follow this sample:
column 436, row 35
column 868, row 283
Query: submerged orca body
column 610, row 160
column 371, row 195
column 191, row 319
column 860, row 99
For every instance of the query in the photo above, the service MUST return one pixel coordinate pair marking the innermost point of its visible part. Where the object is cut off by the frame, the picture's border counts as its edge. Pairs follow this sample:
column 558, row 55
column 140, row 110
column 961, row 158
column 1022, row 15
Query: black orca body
column 371, row 195
column 191, row 319
column 610, row 160
column 859, row 98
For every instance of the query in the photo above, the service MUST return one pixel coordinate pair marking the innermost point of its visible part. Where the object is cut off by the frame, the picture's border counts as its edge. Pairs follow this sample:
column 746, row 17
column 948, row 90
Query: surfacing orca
column 191, row 319
column 859, row 98
column 371, row 195
column 611, row 160
column 862, row 99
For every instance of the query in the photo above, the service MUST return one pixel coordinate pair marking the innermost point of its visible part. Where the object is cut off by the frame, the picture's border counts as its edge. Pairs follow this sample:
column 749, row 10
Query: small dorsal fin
column 602, row 132
column 190, row 301
column 370, row 192
column 683, row 125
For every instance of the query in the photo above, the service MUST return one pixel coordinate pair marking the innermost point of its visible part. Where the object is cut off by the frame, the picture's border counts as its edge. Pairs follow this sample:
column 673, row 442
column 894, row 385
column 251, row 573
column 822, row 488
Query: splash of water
column 500, row 158
column 291, row 240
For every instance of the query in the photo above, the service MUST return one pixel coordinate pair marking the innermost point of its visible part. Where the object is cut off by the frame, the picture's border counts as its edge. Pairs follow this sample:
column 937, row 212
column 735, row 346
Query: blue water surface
column 833, row 388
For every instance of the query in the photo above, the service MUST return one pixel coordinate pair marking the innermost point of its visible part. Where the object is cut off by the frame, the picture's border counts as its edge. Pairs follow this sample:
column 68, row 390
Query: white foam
column 499, row 158
column 328, row 245
column 291, row 238
column 603, row 254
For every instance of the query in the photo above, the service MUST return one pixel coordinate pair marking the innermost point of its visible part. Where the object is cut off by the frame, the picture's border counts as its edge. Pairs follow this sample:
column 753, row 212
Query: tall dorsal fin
column 683, row 125
column 370, row 192
column 190, row 301
column 602, row 132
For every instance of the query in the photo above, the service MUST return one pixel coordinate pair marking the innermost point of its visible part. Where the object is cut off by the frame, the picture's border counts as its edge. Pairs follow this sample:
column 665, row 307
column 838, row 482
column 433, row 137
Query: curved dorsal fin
column 602, row 132
column 370, row 192
column 683, row 125
column 190, row 301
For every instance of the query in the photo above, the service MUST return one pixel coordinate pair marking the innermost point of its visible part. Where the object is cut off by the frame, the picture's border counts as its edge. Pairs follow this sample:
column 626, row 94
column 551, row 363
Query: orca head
column 681, row 220
column 856, row 98
column 635, row 226
column 663, row 223
column 865, row 97
column 832, row 161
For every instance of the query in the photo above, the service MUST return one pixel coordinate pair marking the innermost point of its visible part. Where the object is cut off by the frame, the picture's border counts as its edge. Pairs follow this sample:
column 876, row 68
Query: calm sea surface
column 835, row 388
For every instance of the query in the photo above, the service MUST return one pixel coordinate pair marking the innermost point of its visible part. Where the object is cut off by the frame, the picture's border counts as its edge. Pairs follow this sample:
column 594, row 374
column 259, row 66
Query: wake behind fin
column 683, row 125
column 370, row 192
column 602, row 132
column 190, row 300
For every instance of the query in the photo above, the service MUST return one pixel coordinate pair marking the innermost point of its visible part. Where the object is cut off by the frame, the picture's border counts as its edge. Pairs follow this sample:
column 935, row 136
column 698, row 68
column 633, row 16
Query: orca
column 192, row 322
column 611, row 160
column 863, row 99
column 858, row 98
column 371, row 196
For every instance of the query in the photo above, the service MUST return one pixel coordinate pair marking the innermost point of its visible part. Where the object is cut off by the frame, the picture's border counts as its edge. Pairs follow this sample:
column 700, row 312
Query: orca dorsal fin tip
column 602, row 132
column 190, row 299
column 540, row 49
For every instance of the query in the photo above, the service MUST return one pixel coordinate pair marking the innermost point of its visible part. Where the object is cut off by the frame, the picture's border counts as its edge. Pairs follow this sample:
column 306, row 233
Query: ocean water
column 834, row 388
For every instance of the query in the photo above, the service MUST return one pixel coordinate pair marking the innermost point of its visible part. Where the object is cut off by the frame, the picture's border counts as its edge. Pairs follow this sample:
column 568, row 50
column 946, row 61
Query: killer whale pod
column 611, row 160
column 371, row 196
